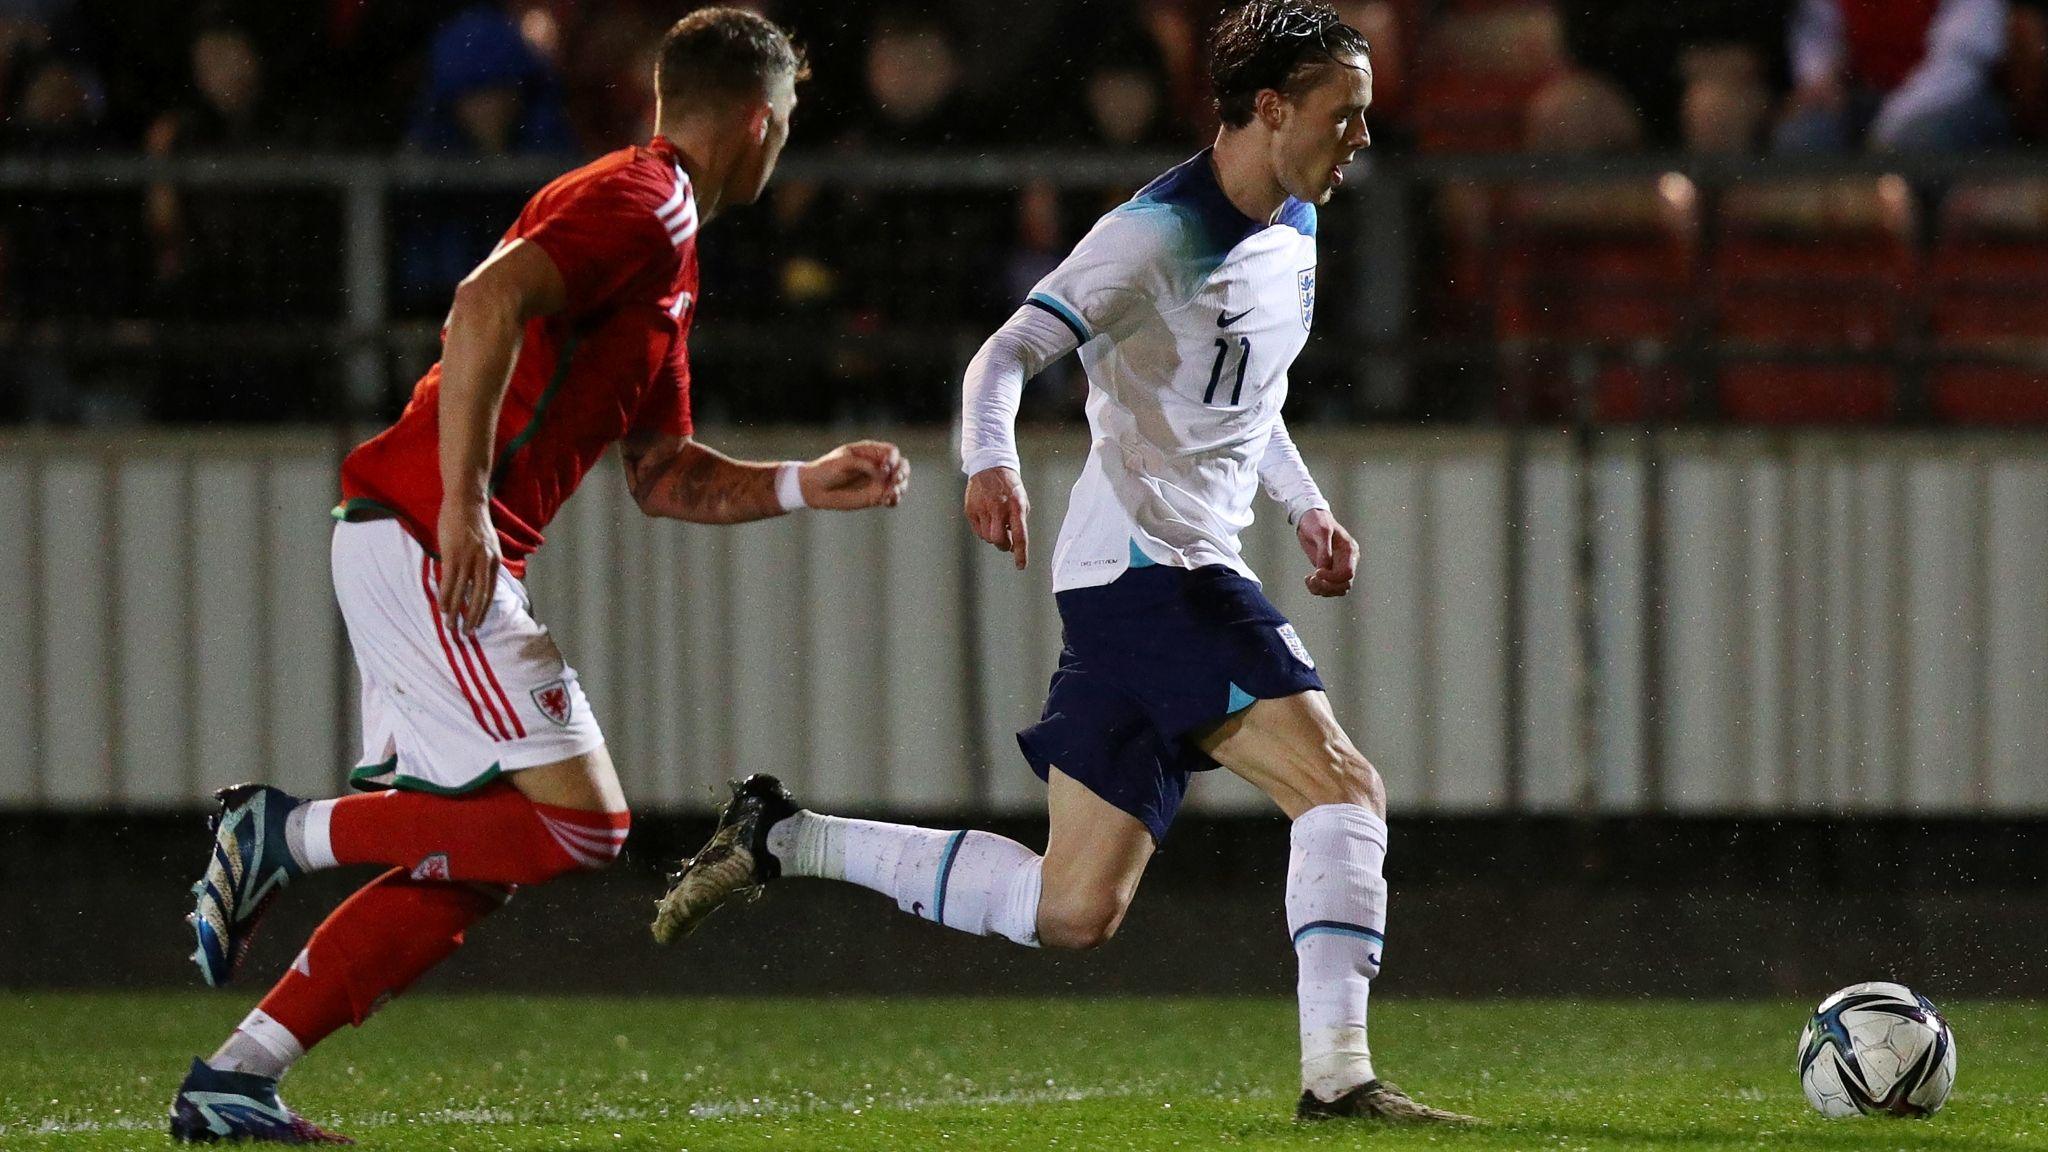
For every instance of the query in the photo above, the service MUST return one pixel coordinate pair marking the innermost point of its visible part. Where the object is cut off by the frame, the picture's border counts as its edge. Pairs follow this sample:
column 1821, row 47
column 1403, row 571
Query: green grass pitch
column 487, row 1072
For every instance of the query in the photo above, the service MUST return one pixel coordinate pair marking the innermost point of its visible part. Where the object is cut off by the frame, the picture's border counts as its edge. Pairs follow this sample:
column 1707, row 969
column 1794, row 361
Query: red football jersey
column 623, row 232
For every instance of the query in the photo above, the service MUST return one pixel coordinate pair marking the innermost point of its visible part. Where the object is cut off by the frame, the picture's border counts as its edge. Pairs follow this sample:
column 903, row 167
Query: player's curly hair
column 1277, row 44
column 725, row 52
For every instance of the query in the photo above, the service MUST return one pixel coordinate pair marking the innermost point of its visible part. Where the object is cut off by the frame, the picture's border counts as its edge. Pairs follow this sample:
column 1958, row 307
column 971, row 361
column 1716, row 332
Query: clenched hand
column 1331, row 549
column 863, row 474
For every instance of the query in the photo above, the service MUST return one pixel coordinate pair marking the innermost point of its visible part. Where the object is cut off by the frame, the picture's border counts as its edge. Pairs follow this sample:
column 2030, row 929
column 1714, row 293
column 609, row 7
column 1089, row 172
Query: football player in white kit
column 1187, row 305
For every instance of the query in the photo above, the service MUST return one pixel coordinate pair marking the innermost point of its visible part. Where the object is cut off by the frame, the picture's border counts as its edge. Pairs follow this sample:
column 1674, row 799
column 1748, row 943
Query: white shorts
column 445, row 710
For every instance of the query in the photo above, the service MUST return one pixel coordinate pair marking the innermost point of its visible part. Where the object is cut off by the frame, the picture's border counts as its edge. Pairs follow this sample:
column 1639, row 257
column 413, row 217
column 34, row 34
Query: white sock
column 259, row 1045
column 306, row 835
column 1337, row 914
column 974, row 881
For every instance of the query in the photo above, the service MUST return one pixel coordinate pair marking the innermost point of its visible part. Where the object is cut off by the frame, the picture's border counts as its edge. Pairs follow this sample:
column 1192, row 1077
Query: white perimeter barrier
column 1851, row 623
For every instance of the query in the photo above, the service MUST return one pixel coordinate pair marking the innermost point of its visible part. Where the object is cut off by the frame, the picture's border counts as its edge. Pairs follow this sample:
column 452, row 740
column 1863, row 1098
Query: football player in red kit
column 483, row 768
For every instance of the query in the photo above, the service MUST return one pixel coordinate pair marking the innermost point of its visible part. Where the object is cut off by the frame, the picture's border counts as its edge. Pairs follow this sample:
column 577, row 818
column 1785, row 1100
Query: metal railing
column 1368, row 340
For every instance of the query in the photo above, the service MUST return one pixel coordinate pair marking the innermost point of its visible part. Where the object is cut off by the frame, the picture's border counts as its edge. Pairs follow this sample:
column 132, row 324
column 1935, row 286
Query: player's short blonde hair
column 722, row 52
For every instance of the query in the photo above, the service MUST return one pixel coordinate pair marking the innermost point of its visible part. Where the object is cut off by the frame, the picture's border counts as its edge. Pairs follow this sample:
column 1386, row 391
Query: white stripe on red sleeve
column 678, row 216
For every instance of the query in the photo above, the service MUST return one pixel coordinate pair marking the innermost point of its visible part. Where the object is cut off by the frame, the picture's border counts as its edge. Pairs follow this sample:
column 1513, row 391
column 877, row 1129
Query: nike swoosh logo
column 1225, row 319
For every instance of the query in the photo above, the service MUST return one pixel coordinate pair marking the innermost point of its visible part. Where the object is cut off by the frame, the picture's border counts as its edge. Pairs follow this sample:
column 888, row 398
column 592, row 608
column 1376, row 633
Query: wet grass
column 95, row 1072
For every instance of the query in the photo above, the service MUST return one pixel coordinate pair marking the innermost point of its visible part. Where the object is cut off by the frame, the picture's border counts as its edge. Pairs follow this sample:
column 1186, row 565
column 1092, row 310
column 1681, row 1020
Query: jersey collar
column 1192, row 187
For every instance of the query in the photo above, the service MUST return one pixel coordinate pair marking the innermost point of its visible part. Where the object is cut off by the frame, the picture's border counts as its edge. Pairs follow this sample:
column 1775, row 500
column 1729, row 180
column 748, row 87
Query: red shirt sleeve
column 666, row 408
column 605, row 239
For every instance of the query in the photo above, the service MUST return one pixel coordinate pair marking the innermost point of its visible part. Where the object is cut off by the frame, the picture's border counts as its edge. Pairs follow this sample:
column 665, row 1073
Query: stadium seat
column 1592, row 288
column 1988, row 298
column 1810, row 283
column 1457, row 296
column 1476, row 71
column 2023, row 76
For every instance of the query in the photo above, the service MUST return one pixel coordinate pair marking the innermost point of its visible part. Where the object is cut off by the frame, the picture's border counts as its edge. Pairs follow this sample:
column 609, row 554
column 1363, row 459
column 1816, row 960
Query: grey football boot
column 735, row 862
column 1377, row 1100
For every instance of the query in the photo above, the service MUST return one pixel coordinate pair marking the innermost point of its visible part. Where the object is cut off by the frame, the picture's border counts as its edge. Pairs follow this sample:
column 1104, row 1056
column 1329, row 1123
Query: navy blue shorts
column 1157, row 654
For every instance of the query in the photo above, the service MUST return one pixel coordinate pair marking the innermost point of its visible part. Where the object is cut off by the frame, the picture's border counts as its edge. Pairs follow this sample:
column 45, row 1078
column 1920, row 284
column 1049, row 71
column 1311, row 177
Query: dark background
column 1636, row 906
column 145, row 300
column 1458, row 286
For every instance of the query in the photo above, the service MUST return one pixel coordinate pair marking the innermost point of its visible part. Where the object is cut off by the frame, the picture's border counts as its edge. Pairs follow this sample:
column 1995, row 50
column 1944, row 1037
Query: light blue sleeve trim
column 1065, row 314
column 1299, row 215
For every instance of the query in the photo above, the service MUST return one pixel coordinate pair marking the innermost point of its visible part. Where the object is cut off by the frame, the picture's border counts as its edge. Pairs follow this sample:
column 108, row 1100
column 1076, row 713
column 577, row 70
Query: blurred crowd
column 569, row 78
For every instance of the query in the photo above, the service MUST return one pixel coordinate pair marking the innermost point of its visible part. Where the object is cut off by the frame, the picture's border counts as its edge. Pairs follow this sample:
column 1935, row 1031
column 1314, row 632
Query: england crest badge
column 1305, row 281
column 1292, row 639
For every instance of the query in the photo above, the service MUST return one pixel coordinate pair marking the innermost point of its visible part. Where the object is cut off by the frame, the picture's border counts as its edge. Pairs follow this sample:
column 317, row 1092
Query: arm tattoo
column 701, row 486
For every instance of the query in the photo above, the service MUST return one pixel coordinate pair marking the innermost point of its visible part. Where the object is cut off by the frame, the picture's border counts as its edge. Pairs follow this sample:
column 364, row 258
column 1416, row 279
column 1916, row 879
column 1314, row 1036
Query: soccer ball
column 1877, row 1049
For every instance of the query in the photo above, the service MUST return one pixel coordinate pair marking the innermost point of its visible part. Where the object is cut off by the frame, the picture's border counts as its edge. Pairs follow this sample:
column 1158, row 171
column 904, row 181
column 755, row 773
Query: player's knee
column 1076, row 930
column 1342, row 775
column 1079, row 923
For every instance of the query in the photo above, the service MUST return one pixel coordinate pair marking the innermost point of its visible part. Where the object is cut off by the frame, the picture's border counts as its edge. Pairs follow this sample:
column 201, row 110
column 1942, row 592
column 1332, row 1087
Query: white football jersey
column 1189, row 314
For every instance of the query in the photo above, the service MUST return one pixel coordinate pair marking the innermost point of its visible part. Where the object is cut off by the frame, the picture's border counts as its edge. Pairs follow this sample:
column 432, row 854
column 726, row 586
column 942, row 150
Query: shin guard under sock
column 1337, row 915
column 372, row 947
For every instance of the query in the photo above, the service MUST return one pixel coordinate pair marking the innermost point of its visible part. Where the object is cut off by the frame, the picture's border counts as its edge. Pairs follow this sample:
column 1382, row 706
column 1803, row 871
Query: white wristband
column 789, row 487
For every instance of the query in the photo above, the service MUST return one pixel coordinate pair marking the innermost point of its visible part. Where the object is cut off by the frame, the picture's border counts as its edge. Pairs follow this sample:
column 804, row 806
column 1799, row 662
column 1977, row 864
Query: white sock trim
column 315, row 848
column 259, row 1046
column 261, row 1027
column 1342, row 1061
column 1016, row 917
column 1362, row 821
column 807, row 844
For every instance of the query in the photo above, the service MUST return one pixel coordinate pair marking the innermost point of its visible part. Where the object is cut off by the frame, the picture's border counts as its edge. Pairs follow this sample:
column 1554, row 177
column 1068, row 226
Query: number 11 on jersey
column 1216, row 370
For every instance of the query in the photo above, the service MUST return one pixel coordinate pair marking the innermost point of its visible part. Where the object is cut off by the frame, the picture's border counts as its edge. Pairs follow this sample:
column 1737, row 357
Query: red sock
column 372, row 947
column 494, row 835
